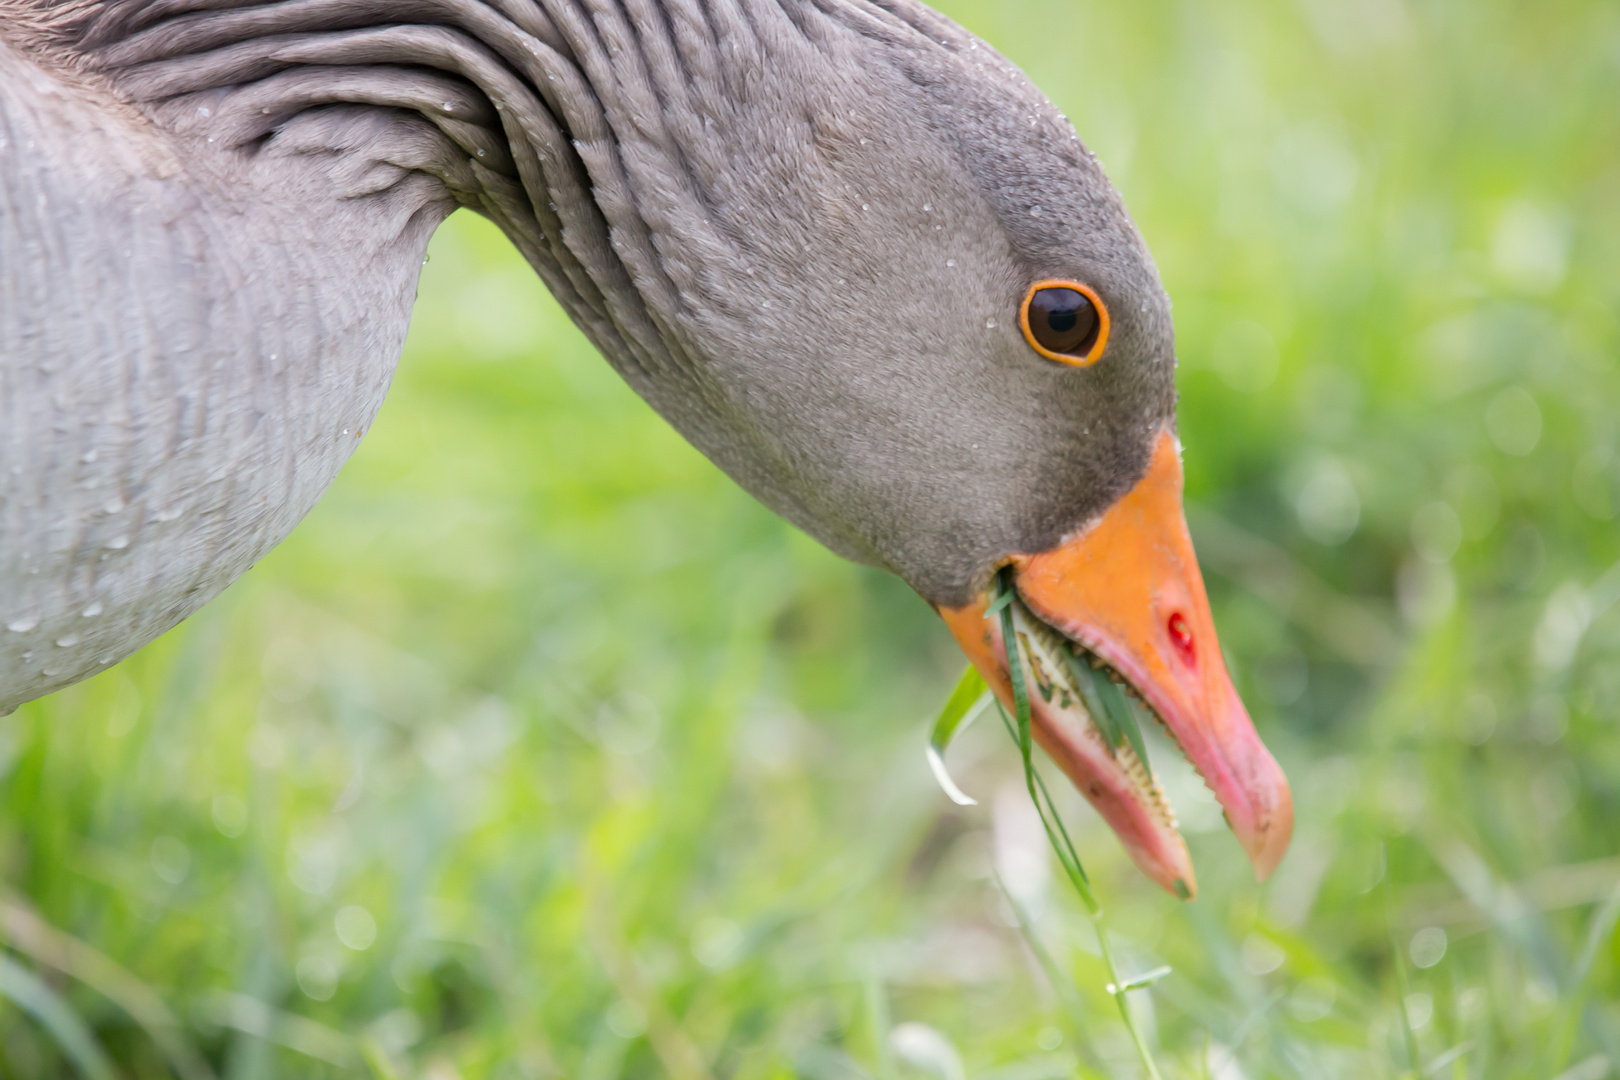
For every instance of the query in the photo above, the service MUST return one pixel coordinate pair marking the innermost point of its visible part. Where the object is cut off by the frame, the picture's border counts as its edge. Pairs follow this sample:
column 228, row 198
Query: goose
column 847, row 249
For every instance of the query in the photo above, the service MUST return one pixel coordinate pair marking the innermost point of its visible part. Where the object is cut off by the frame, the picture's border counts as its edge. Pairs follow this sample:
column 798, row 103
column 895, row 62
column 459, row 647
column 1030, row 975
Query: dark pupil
column 1063, row 321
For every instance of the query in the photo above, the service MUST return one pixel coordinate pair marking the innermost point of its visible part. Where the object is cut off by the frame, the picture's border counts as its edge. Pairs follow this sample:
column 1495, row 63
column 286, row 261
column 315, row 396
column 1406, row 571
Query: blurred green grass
column 540, row 750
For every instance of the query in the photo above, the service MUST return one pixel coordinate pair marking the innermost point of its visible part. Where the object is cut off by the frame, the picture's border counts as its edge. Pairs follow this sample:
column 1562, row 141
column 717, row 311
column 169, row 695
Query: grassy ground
column 539, row 750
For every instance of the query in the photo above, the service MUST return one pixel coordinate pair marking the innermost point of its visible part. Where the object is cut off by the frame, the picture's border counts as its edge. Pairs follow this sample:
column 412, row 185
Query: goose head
column 896, row 299
column 909, row 312
column 853, row 255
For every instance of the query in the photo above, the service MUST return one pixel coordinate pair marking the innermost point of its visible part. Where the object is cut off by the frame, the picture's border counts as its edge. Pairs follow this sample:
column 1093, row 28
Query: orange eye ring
column 1099, row 340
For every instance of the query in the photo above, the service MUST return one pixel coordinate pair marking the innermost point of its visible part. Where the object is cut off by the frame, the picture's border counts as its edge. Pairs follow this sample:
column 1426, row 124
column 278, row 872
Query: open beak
column 1124, row 597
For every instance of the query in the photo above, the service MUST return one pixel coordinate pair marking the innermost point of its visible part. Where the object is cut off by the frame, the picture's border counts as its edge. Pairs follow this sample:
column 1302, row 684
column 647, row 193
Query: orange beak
column 1127, row 592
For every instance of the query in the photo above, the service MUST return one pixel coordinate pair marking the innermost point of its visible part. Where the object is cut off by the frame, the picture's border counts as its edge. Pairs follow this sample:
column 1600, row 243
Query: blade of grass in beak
column 1015, row 669
column 1056, row 834
column 964, row 705
column 1085, row 678
column 1074, row 1006
column 1113, row 711
column 1032, row 779
column 1003, row 598
column 1121, row 709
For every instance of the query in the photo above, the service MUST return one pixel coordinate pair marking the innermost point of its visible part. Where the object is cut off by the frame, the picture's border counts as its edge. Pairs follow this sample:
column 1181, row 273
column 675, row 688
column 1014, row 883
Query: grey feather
column 801, row 229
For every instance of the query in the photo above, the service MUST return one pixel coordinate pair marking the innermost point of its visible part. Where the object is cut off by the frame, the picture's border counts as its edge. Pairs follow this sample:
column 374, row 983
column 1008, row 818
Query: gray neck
column 218, row 212
column 202, row 314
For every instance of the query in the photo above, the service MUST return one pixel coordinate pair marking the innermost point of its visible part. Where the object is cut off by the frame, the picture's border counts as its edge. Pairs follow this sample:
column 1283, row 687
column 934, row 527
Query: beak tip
column 1265, row 864
column 1170, row 867
column 1267, row 845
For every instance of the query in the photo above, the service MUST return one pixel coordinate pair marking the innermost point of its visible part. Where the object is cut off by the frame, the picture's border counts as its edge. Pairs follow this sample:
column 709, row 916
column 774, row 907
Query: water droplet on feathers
column 68, row 642
column 23, row 625
column 93, row 610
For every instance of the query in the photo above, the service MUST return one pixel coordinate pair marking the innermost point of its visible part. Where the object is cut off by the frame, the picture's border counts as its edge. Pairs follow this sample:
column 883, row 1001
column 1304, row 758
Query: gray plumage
column 800, row 229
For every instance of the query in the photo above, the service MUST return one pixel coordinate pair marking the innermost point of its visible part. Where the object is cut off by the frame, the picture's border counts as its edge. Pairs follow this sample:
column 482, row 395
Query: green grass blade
column 878, row 1019
column 28, row 933
column 1085, row 679
column 1116, row 714
column 1512, row 915
column 1015, row 675
column 377, row 1060
column 969, row 689
column 958, row 713
column 297, row 1033
column 1142, row 981
column 1454, row 1054
column 1083, row 880
column 1000, row 603
column 1402, row 986
column 1048, row 813
column 1122, row 713
column 1066, row 854
column 1598, row 932
column 1057, row 834
column 1074, row 1008
column 25, row 990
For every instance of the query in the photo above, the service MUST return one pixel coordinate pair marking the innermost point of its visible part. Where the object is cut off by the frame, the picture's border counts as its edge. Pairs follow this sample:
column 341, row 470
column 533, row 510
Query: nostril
column 1181, row 635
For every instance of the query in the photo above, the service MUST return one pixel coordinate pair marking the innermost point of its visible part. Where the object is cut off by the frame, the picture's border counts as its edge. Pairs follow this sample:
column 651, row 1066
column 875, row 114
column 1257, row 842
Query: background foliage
column 540, row 750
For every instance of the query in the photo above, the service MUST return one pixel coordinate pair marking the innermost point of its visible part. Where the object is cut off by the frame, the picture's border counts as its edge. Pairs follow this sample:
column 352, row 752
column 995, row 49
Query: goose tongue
column 1128, row 591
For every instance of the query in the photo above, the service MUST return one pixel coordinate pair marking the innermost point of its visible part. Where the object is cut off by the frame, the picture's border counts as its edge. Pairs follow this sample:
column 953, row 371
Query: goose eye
column 1066, row 321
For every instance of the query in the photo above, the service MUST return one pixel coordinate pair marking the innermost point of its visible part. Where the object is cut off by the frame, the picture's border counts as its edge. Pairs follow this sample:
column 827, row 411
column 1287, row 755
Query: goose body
column 158, row 441
column 809, row 232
